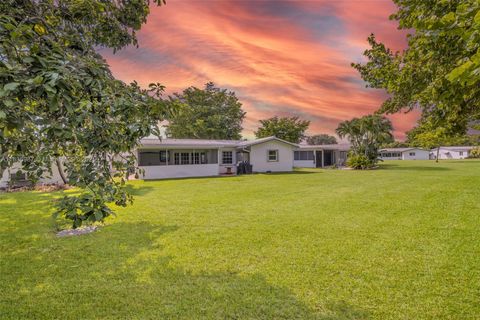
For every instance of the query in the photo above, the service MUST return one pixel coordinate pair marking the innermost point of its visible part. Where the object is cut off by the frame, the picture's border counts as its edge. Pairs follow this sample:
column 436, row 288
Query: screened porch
column 177, row 157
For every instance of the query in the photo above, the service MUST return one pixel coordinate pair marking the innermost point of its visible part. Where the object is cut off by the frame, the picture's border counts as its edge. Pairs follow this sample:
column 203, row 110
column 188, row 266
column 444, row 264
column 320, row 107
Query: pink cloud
column 280, row 57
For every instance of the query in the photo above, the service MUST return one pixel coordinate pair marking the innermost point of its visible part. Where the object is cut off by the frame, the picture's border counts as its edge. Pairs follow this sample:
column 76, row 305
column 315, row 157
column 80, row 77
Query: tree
column 366, row 135
column 438, row 72
column 60, row 100
column 211, row 113
column 288, row 128
column 320, row 139
column 395, row 144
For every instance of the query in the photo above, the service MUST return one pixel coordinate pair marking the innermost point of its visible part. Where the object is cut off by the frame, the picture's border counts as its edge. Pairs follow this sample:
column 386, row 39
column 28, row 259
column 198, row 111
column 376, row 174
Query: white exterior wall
column 53, row 178
column 448, row 154
column 259, row 157
column 180, row 171
column 419, row 155
column 304, row 163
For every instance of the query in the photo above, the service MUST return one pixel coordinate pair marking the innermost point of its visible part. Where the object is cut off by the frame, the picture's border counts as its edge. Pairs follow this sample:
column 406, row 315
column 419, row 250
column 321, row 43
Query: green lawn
column 401, row 242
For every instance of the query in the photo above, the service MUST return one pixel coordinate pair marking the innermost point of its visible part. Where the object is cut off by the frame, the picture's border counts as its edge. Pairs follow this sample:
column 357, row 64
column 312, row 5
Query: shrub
column 475, row 153
column 359, row 161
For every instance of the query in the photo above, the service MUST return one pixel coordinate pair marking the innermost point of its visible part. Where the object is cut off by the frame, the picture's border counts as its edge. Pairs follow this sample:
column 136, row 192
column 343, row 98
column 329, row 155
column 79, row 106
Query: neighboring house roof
column 399, row 149
column 339, row 146
column 456, row 148
column 248, row 143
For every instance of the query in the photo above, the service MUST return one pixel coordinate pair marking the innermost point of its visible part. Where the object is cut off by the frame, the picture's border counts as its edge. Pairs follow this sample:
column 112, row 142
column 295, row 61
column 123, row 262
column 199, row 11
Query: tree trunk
column 438, row 151
column 2, row 171
column 60, row 170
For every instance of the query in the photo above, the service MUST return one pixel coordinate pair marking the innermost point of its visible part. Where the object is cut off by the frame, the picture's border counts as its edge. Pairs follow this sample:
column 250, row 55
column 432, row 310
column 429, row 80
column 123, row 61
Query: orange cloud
column 280, row 57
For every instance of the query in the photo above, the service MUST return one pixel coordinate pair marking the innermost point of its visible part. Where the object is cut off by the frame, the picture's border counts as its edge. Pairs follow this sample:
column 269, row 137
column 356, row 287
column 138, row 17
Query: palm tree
column 366, row 134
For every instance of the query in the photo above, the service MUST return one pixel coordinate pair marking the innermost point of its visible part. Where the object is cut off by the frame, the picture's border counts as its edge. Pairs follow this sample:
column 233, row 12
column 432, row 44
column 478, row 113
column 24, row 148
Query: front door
column 318, row 159
column 328, row 158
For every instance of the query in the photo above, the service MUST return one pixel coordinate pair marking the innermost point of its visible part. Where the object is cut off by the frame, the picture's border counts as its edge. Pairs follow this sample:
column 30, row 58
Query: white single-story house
column 319, row 156
column 176, row 158
column 181, row 158
column 403, row 154
column 457, row 152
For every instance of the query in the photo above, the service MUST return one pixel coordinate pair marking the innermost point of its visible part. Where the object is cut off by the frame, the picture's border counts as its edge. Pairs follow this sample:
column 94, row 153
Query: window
column 272, row 155
column 149, row 158
column 163, row 156
column 412, row 154
column 461, row 153
column 184, row 158
column 181, row 158
column 195, row 158
column 303, row 155
column 227, row 157
column 152, row 158
column 19, row 176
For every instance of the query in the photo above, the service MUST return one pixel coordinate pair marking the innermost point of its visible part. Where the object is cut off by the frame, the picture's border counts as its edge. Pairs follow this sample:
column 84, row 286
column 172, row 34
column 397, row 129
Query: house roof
column 196, row 143
column 456, row 148
column 146, row 142
column 399, row 149
column 339, row 147
column 248, row 143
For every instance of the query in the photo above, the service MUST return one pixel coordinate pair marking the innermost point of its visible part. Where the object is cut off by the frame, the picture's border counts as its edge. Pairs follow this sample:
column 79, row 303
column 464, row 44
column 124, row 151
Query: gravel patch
column 76, row 232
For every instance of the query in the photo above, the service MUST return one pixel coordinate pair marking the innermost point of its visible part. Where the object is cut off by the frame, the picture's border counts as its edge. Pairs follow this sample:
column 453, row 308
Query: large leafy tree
column 439, row 71
column 287, row 128
column 320, row 139
column 209, row 113
column 59, row 100
column 366, row 134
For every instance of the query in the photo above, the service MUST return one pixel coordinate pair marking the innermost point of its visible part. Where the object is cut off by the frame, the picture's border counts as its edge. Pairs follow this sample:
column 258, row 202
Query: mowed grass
column 401, row 242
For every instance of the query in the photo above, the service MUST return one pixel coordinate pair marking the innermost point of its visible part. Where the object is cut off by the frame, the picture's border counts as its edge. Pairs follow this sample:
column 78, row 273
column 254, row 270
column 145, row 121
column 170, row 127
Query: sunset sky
column 285, row 58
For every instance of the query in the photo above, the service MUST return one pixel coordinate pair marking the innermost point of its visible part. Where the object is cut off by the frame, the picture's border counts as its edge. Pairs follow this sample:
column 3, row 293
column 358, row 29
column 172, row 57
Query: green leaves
column 439, row 71
column 460, row 72
column 11, row 86
column 366, row 135
column 59, row 99
column 211, row 113
column 448, row 19
column 476, row 19
column 320, row 139
column 286, row 128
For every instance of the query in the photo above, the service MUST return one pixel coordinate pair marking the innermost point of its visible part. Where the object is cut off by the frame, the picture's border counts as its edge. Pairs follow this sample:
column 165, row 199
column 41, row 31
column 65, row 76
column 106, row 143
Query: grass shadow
column 396, row 167
column 121, row 271
column 139, row 191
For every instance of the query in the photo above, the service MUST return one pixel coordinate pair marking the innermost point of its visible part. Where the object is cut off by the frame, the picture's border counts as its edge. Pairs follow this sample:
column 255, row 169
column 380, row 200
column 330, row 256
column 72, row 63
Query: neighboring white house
column 451, row 152
column 319, row 156
column 403, row 154
column 176, row 158
column 20, row 177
